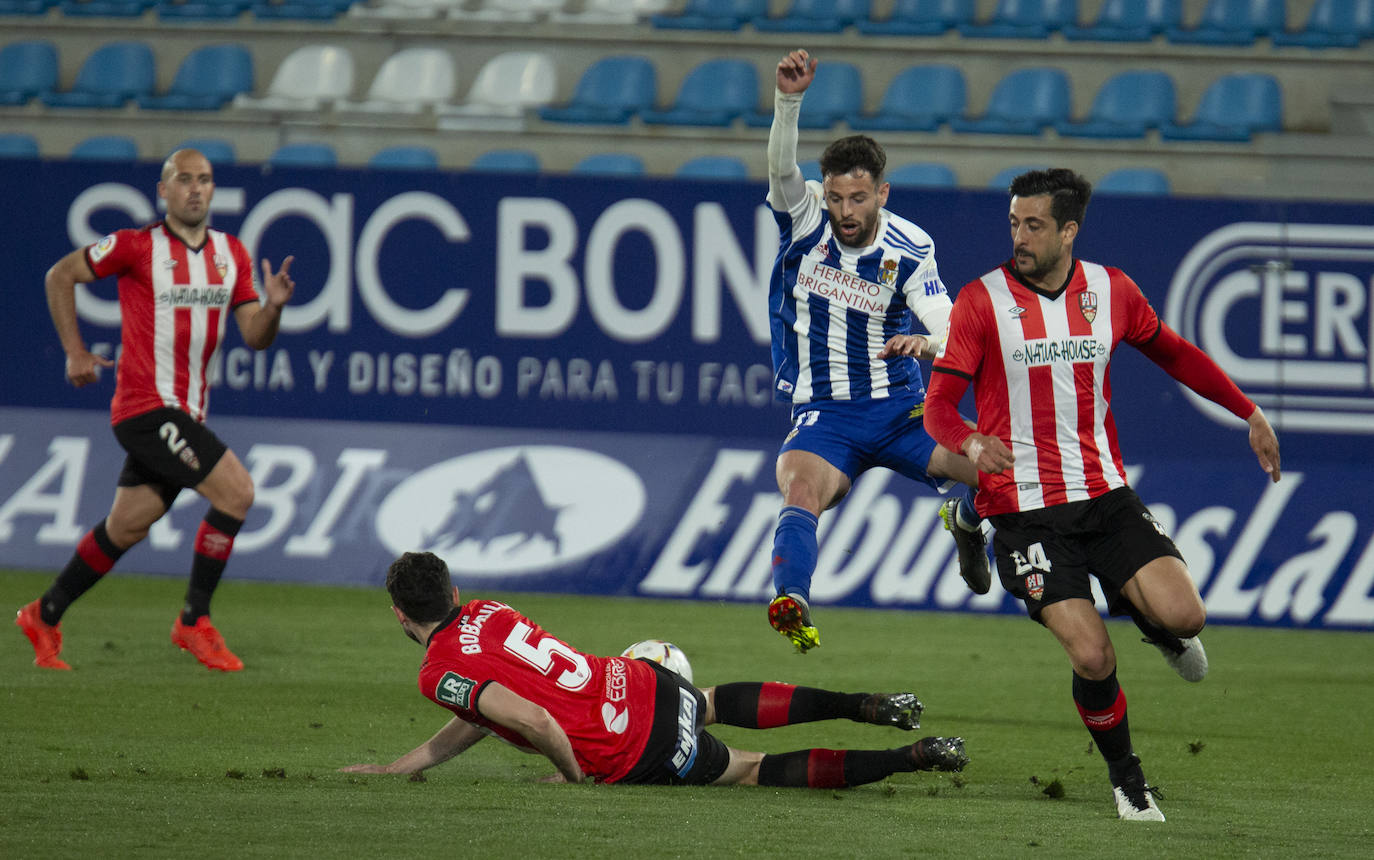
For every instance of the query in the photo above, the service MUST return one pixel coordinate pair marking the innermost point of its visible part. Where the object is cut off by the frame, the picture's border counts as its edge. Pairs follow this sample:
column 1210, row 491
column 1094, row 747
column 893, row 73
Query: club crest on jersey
column 1035, row 585
column 222, row 266
column 1087, row 305
column 888, row 273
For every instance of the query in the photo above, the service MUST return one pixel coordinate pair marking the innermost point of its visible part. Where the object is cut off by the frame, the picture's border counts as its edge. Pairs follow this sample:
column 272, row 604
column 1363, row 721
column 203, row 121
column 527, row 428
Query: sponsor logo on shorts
column 454, row 689
column 686, row 752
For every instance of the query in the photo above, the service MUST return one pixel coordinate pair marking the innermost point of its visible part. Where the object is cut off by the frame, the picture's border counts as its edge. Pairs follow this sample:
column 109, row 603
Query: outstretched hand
column 1265, row 444
column 796, row 71
column 278, row 287
column 911, row 345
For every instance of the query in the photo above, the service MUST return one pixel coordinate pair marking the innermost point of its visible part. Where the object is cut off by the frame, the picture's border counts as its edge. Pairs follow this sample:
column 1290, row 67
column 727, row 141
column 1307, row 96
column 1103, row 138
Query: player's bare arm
column 455, row 737
column 533, row 723
column 1264, row 443
column 911, row 345
column 796, row 71
column 259, row 323
column 83, row 366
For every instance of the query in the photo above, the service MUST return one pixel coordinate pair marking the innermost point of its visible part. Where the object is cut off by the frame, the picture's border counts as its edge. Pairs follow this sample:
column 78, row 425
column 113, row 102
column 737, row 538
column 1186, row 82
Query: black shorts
column 679, row 752
column 167, row 450
column 1047, row 555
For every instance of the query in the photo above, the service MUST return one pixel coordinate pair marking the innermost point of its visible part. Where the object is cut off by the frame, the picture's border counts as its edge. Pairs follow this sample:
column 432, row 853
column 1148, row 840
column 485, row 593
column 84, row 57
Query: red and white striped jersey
column 1039, row 366
column 173, row 303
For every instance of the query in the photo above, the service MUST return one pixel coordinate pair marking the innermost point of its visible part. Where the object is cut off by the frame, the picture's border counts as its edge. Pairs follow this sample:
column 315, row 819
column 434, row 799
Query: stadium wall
column 563, row 384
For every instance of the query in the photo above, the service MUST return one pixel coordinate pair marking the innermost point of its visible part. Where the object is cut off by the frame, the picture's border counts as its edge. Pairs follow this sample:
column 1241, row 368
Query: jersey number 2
column 540, row 655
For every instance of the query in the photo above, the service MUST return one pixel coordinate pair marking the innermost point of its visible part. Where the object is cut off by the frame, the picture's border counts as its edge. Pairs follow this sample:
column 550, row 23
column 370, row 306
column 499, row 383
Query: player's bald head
column 185, row 161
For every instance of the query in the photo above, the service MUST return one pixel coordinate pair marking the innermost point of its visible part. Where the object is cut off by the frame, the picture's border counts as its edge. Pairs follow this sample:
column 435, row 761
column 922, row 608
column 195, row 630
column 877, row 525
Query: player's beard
column 1039, row 266
column 863, row 237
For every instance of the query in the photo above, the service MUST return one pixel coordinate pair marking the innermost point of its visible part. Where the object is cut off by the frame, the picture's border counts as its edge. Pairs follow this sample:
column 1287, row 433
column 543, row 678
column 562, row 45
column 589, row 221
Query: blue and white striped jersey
column 833, row 307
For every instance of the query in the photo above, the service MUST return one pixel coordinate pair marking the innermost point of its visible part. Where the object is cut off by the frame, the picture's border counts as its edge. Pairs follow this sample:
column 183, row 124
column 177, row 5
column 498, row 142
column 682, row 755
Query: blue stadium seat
column 836, row 93
column 201, row 10
column 206, row 79
column 713, row 15
column 1001, row 180
column 115, row 73
column 114, row 147
column 1127, row 105
column 405, row 158
column 1130, row 21
column 302, row 10
column 18, row 145
column 1133, row 180
column 713, row 167
column 216, row 150
column 714, row 93
column 304, row 155
column 811, row 170
column 921, row 18
column 816, row 16
column 506, row 161
column 26, row 7
column 610, row 164
column 1333, row 24
column 1024, row 19
column 27, row 70
column 920, row 98
column 1023, row 102
column 610, row 91
column 1233, row 108
column 928, row 174
column 106, row 8
column 1233, row 22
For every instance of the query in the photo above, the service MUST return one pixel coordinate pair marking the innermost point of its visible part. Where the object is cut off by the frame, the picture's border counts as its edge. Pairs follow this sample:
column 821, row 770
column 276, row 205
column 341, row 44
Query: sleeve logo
column 454, row 689
column 102, row 248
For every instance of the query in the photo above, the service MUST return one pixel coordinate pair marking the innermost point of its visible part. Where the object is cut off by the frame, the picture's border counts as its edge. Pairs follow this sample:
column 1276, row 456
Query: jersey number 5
column 540, row 655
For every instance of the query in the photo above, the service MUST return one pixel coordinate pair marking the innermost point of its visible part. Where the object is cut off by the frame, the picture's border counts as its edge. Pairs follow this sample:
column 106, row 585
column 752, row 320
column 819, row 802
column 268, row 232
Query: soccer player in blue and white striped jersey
column 849, row 278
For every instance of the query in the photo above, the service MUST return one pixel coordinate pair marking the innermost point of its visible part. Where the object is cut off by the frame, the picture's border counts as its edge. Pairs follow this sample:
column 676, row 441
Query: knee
column 124, row 535
column 1190, row 622
column 1094, row 663
column 241, row 498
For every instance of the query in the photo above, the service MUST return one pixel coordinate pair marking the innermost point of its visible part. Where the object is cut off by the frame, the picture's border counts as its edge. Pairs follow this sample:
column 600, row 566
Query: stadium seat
column 1001, row 180
column 1024, row 19
column 1130, row 21
column 510, row 11
column 1133, row 180
column 612, row 12
column 208, row 78
column 1333, row 24
column 216, row 150
column 506, row 87
column 506, row 161
column 928, row 174
column 26, row 7
column 304, row 155
column 837, row 92
column 302, row 10
column 920, row 98
column 1127, row 105
column 27, row 70
column 921, row 18
column 1023, row 102
column 610, row 164
column 610, row 91
column 18, row 145
column 811, row 170
column 714, row 93
column 713, row 167
column 115, row 73
column 1233, row 22
column 1233, row 108
column 816, row 16
column 408, row 10
column 405, row 158
column 105, row 8
column 307, row 79
column 713, row 15
column 409, row 81
column 201, row 10
column 113, row 147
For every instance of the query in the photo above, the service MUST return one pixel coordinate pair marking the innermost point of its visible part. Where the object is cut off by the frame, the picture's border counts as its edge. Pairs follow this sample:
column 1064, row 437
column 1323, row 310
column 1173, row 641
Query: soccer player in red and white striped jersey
column 1035, row 338
column 616, row 719
column 178, row 281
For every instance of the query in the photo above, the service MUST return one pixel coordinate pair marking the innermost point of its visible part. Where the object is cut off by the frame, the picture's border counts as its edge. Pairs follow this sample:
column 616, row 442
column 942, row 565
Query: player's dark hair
column 856, row 152
column 1069, row 192
column 419, row 585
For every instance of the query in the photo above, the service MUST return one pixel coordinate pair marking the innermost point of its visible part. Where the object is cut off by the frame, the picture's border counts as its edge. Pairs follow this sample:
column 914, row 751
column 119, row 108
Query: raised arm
column 83, row 366
column 259, row 322
column 455, row 737
column 786, row 187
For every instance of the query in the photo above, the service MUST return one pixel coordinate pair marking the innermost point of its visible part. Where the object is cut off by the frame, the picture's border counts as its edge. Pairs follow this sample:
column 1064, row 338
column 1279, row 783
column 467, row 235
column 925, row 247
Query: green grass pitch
column 140, row 752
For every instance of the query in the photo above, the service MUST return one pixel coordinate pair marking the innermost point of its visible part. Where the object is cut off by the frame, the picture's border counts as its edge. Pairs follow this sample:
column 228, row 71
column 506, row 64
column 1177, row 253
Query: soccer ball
column 666, row 654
